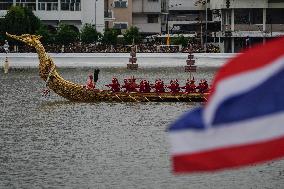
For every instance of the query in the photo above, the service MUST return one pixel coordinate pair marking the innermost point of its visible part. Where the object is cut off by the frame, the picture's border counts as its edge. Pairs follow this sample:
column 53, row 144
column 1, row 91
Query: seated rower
column 206, row 86
column 174, row 86
column 190, row 86
column 132, row 85
column 159, row 86
column 147, row 87
column 144, row 86
column 203, row 86
column 126, row 85
column 90, row 83
column 115, row 86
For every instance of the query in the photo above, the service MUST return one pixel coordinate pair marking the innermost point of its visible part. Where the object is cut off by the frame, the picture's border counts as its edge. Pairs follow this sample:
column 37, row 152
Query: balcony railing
column 248, row 27
column 184, row 18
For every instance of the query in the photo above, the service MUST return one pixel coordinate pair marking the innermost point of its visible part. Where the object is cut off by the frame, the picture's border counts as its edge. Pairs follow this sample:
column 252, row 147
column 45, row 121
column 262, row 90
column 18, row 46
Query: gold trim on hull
column 76, row 92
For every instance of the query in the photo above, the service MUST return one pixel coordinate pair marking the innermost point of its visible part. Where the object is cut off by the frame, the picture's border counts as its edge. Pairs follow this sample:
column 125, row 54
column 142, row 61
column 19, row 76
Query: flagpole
column 168, row 31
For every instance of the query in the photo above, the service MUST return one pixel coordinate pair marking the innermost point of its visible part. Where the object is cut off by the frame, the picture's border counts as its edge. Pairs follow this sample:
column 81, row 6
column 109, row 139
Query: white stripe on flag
column 239, row 84
column 240, row 133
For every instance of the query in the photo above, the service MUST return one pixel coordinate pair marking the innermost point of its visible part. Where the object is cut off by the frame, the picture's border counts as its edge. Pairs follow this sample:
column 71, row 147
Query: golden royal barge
column 77, row 92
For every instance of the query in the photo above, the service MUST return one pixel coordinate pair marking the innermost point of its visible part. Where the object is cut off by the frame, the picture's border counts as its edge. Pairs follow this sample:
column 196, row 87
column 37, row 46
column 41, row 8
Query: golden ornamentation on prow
column 76, row 92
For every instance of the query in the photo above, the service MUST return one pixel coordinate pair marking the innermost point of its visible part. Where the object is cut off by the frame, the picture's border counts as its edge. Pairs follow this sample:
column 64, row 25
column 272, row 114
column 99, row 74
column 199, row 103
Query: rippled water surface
column 53, row 143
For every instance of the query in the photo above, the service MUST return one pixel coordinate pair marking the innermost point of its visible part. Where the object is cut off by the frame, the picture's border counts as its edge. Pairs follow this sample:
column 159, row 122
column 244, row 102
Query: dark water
column 53, row 143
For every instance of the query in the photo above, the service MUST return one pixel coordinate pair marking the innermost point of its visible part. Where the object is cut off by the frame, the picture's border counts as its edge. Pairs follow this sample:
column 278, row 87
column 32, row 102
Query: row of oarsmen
column 130, row 85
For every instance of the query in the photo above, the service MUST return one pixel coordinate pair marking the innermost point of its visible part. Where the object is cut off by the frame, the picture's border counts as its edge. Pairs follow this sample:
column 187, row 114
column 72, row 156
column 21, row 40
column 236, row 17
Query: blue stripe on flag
column 265, row 99
column 190, row 120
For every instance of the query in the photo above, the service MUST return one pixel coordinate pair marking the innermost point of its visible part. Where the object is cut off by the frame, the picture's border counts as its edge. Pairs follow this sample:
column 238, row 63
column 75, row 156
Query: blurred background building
column 71, row 12
column 147, row 15
column 245, row 22
column 230, row 24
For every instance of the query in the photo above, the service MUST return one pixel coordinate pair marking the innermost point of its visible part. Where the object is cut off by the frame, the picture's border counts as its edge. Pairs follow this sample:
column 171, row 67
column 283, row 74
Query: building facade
column 232, row 24
column 246, row 22
column 71, row 12
column 147, row 15
column 118, row 14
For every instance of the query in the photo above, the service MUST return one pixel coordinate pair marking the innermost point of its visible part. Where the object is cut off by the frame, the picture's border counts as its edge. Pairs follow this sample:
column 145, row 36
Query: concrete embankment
column 116, row 59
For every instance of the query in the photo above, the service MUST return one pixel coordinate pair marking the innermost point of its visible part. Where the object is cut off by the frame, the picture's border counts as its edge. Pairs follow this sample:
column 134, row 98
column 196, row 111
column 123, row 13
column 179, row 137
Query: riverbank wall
column 117, row 59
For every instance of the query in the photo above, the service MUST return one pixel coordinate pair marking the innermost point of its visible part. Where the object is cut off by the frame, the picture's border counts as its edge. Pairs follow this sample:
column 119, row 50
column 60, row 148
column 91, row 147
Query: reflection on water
column 54, row 143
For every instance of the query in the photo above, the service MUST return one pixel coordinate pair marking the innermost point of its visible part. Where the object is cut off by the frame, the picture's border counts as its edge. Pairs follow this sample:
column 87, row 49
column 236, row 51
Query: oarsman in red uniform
column 132, row 85
column 174, row 86
column 126, row 85
column 90, row 83
column 177, row 88
column 203, row 86
column 190, row 86
column 142, row 86
column 206, row 86
column 159, row 86
column 200, row 86
column 114, row 86
column 147, row 87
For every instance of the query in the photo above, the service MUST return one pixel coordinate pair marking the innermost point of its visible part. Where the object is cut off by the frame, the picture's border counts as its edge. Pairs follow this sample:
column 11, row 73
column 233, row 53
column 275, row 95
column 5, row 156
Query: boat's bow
column 48, row 72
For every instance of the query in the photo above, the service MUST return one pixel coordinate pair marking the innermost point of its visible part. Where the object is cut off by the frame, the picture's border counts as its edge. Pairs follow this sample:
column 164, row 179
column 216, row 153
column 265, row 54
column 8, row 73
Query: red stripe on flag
column 251, row 59
column 229, row 157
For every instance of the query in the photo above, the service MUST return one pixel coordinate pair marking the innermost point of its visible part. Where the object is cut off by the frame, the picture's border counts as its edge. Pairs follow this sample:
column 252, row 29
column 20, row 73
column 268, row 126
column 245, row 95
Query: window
column 108, row 14
column 275, row 16
column 48, row 5
column 30, row 4
column 248, row 16
column 120, row 25
column 5, row 5
column 152, row 18
column 71, row 5
column 120, row 4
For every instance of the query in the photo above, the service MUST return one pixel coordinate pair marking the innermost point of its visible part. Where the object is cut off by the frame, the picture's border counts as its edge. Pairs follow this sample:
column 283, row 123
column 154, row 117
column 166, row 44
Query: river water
column 53, row 143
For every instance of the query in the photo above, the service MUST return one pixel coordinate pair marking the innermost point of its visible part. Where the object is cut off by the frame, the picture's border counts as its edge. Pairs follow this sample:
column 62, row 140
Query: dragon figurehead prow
column 29, row 39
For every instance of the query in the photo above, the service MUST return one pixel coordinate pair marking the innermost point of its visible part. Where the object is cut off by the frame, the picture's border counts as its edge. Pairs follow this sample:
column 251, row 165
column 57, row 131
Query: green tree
column 110, row 36
column 89, row 34
column 66, row 34
column 132, row 34
column 2, row 29
column 180, row 40
column 19, row 20
column 47, row 37
column 34, row 23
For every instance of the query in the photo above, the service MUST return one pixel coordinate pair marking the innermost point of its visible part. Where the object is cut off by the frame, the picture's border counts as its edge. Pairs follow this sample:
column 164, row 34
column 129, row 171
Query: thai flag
column 243, row 121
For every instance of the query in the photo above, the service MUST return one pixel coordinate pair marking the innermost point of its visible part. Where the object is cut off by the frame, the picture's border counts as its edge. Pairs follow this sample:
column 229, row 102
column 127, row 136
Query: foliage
column 132, row 34
column 34, row 23
column 47, row 36
column 2, row 30
column 66, row 34
column 89, row 34
column 180, row 40
column 19, row 20
column 110, row 36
